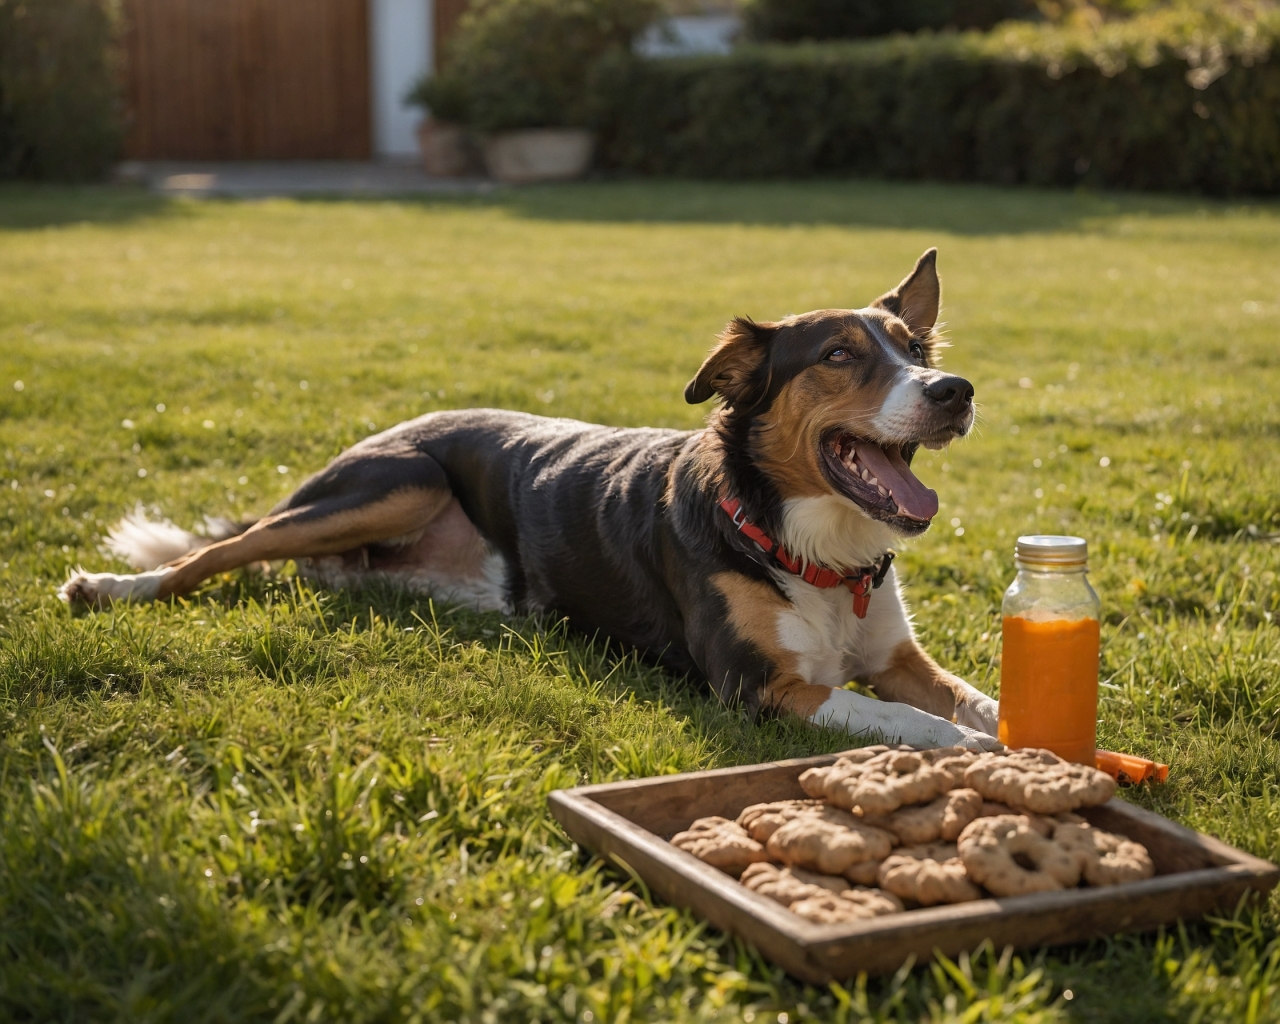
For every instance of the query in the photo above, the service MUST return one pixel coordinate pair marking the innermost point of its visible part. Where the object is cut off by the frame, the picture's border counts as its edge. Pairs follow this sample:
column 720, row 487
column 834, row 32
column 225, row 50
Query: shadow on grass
column 615, row 672
column 961, row 209
column 30, row 207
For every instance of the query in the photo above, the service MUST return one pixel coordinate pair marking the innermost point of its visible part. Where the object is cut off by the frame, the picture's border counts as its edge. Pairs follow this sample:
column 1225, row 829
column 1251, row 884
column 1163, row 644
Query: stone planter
column 538, row 154
column 447, row 151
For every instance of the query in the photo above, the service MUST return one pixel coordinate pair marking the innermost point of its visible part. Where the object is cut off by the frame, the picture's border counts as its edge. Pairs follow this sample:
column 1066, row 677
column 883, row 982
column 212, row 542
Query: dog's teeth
column 883, row 492
column 866, row 475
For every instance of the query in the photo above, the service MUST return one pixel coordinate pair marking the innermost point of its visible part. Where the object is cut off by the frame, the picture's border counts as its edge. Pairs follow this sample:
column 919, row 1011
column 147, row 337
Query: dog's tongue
column 914, row 498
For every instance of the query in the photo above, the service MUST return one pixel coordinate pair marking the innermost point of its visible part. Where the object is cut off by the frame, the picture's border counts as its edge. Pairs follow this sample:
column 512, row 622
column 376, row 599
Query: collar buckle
column 860, row 582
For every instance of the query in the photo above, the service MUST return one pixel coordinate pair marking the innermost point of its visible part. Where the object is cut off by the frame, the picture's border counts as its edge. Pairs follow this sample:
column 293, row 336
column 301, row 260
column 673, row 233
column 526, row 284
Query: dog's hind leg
column 356, row 501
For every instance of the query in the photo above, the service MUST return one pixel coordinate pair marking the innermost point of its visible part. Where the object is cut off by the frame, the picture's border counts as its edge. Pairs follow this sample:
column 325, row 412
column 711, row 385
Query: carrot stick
column 1132, row 769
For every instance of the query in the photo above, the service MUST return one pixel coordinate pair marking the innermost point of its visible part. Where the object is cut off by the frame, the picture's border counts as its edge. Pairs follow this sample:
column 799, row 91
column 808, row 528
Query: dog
column 756, row 552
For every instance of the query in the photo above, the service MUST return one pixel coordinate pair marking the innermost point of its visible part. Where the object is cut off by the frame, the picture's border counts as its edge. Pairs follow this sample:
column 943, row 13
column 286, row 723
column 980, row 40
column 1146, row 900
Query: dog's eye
column 917, row 350
column 839, row 355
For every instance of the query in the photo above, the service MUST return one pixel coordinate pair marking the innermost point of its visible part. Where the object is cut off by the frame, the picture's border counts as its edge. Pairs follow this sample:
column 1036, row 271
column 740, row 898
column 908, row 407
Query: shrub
column 1173, row 102
column 792, row 20
column 526, row 63
column 60, row 101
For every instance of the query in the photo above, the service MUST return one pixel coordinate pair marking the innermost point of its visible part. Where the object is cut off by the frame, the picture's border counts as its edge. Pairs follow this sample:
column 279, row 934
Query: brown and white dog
column 750, row 552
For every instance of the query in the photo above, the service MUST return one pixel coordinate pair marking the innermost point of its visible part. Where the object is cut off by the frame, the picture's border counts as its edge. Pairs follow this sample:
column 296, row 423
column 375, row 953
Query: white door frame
column 401, row 50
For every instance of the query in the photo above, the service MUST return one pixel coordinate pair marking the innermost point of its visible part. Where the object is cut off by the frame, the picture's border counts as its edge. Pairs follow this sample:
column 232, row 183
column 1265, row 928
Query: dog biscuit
column 942, row 819
column 928, row 875
column 860, row 754
column 815, row 780
column 763, row 820
column 951, row 762
column 789, row 885
column 1103, row 857
column 1042, row 824
column 884, row 783
column 722, row 843
column 851, row 905
column 866, row 873
column 828, row 842
column 991, row 848
column 1038, row 781
column 779, row 884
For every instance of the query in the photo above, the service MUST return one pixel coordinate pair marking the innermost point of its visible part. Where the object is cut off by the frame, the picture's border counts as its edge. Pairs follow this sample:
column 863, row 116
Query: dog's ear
column 917, row 298
column 732, row 370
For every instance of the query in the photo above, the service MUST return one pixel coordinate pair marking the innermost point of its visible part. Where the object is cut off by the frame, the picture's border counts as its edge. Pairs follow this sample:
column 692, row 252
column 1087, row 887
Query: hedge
column 526, row 63
column 60, row 96
column 795, row 20
column 1183, row 109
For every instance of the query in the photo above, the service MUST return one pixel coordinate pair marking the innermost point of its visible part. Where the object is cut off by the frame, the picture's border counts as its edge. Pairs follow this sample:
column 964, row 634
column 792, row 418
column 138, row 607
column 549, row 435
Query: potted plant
column 517, row 75
column 446, row 146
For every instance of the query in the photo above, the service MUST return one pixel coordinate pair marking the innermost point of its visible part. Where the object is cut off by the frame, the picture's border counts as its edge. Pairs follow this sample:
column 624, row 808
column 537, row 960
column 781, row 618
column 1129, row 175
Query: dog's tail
column 148, row 544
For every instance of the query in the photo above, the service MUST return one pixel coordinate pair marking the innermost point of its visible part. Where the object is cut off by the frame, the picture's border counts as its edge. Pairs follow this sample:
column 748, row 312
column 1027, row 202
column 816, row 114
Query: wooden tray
column 630, row 822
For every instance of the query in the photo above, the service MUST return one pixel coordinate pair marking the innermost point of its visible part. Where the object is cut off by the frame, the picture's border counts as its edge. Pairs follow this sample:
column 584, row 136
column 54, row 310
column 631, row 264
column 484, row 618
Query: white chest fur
column 832, row 645
column 831, row 530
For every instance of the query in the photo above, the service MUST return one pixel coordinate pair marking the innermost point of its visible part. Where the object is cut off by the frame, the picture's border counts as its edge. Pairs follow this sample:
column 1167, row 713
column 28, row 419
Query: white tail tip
column 149, row 544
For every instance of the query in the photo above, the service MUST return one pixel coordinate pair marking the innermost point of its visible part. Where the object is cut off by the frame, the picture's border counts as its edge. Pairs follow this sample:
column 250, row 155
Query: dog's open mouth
column 879, row 478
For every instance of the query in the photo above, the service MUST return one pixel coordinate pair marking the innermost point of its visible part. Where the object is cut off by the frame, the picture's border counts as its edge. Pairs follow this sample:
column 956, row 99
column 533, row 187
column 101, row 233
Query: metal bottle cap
column 1043, row 549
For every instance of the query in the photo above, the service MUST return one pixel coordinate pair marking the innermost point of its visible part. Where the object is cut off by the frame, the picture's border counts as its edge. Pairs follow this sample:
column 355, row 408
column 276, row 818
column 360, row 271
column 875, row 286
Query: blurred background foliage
column 1147, row 94
column 61, row 110
column 813, row 20
column 527, row 63
column 794, row 20
column 1177, row 97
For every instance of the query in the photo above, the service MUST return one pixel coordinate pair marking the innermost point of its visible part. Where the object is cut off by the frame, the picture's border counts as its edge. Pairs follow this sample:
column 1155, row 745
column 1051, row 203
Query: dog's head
column 837, row 401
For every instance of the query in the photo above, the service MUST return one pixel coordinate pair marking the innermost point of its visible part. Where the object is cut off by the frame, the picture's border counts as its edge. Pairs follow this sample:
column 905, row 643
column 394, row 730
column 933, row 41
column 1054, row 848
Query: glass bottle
column 1049, row 666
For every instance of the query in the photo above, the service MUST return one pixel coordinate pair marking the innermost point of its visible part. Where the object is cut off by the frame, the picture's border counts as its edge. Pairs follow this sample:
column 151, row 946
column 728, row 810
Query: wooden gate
column 248, row 79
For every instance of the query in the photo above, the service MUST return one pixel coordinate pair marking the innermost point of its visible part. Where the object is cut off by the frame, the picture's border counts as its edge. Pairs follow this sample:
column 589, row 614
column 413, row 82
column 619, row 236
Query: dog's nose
column 955, row 394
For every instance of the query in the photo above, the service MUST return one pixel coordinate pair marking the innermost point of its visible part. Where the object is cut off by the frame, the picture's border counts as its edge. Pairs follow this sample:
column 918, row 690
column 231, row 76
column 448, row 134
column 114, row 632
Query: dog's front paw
column 977, row 739
column 978, row 711
column 897, row 723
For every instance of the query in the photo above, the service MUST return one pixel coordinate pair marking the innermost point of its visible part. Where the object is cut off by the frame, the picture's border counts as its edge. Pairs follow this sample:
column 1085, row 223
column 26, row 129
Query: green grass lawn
column 269, row 803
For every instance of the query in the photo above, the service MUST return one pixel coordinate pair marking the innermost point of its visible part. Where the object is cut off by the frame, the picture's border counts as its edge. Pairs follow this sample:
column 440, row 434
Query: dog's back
column 574, row 510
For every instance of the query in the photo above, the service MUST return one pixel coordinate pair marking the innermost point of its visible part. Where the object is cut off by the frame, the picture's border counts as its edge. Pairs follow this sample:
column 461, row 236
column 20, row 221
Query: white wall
column 687, row 34
column 401, row 50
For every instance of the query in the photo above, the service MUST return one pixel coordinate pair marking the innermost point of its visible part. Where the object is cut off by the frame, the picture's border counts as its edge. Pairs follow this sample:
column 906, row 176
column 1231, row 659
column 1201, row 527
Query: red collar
column 859, row 581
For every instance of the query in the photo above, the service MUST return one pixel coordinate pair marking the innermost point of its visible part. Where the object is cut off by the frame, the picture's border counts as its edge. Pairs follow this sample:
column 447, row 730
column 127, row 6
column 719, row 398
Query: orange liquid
column 1049, row 687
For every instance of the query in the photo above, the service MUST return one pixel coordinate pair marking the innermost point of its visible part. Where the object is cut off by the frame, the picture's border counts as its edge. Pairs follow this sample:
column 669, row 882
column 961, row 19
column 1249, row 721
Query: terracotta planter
column 447, row 151
column 538, row 154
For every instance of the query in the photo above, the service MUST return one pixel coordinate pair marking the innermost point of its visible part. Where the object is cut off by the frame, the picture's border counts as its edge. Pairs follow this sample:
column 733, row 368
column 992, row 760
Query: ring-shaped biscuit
column 991, row 848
